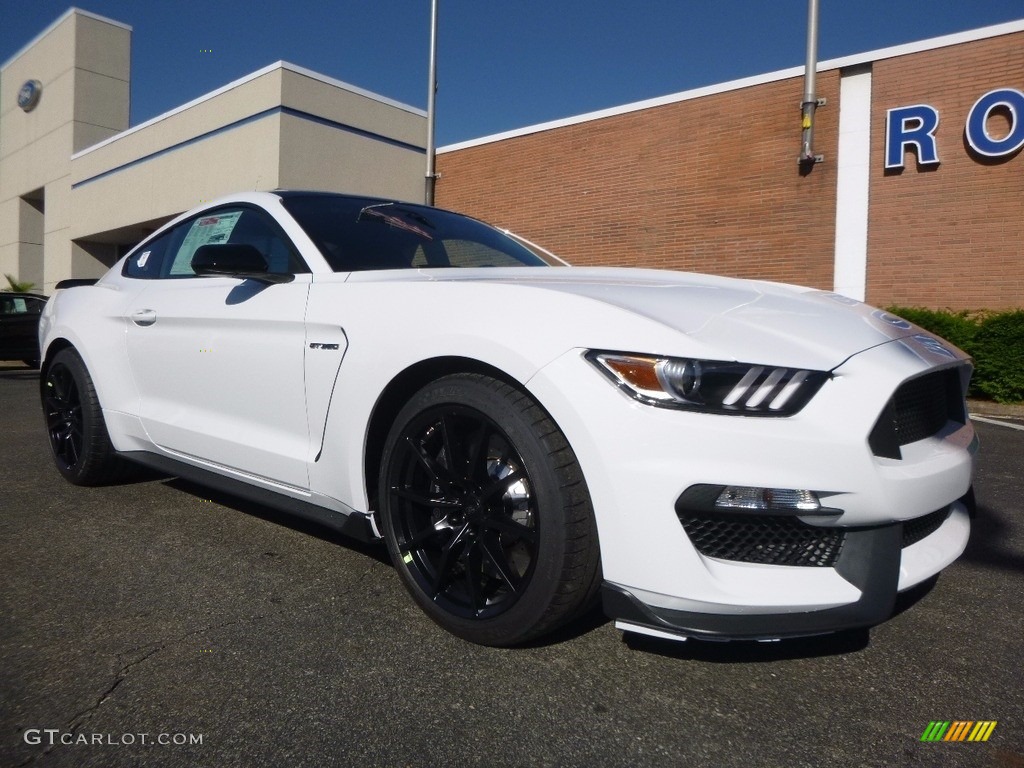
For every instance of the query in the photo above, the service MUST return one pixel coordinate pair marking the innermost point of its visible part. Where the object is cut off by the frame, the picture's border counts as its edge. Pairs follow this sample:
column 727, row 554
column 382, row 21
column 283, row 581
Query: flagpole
column 810, row 101
column 431, row 177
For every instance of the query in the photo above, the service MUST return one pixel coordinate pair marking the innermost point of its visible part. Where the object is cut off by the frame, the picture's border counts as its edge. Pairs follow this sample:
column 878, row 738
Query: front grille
column 763, row 539
column 924, row 526
column 918, row 409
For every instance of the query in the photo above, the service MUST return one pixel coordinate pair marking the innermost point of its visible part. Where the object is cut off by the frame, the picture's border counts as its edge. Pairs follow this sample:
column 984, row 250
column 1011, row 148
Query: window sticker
column 20, row 306
column 204, row 231
column 143, row 258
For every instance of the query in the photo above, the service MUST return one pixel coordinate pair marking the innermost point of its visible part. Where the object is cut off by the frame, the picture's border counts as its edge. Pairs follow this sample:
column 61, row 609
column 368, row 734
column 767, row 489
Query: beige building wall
column 77, row 187
column 82, row 62
column 280, row 127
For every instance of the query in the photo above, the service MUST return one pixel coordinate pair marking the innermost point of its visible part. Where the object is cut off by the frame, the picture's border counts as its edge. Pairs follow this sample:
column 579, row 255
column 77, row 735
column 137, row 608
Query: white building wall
column 853, row 176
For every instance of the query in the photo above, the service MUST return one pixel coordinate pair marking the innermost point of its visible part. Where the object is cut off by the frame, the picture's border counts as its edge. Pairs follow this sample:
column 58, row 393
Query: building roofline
column 283, row 65
column 982, row 33
column 353, row 88
column 63, row 17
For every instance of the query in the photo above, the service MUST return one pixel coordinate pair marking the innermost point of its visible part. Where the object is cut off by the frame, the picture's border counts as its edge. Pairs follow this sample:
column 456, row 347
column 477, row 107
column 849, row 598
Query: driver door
column 219, row 360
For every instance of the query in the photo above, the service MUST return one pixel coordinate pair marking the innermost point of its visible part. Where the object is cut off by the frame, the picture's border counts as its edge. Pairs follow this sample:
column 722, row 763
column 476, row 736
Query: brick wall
column 708, row 185
column 951, row 236
column 712, row 185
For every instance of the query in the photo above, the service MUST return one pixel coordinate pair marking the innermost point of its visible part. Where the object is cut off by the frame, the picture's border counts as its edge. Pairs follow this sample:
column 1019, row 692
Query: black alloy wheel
column 62, row 405
column 485, row 512
column 465, row 517
column 75, row 427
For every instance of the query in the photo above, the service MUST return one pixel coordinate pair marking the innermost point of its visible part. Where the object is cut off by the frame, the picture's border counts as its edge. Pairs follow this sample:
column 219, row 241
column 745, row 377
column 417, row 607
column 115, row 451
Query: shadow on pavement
column 988, row 547
column 272, row 515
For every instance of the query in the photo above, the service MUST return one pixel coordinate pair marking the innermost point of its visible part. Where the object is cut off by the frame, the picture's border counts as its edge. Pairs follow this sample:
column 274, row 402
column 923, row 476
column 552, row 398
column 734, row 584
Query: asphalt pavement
column 156, row 623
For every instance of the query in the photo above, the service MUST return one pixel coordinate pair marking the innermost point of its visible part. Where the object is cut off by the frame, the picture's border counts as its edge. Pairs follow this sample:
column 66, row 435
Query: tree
column 19, row 287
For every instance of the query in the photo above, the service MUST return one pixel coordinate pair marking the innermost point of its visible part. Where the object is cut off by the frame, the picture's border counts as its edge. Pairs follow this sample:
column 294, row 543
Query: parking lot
column 154, row 622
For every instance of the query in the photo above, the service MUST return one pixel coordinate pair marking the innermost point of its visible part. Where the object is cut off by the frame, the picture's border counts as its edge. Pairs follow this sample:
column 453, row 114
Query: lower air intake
column 763, row 539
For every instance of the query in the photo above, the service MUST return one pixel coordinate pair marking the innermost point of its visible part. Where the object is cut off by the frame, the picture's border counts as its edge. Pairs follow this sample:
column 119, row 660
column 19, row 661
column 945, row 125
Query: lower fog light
column 766, row 499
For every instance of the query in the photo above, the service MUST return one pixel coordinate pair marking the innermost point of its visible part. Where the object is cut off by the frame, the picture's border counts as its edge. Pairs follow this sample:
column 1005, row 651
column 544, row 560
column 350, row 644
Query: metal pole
column 431, row 94
column 810, row 101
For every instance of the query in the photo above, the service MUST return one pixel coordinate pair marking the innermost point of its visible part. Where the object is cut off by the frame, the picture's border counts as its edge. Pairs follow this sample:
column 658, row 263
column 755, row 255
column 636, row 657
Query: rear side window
column 170, row 255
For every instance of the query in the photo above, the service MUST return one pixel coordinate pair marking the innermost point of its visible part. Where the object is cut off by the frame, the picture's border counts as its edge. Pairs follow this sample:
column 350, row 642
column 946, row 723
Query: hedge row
column 994, row 339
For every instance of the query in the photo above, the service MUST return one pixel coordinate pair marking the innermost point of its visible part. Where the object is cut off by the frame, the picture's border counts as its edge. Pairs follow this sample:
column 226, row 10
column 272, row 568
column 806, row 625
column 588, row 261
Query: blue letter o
column 977, row 134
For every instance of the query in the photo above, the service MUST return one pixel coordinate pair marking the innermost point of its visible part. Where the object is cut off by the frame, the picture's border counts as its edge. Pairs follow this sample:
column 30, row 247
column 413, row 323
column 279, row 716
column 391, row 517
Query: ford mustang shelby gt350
column 714, row 457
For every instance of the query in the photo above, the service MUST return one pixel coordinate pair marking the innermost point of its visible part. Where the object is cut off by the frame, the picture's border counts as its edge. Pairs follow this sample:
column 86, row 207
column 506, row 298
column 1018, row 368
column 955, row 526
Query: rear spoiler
column 76, row 282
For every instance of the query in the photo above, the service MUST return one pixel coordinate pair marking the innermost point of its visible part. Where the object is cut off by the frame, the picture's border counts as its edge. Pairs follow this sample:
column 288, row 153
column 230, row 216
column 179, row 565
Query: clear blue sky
column 502, row 64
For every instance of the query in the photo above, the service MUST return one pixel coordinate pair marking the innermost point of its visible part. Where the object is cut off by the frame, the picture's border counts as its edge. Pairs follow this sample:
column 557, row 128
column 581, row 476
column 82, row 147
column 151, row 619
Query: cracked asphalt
column 157, row 611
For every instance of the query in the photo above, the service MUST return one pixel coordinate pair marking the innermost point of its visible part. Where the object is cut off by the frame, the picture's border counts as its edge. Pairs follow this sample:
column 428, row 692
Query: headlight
column 710, row 385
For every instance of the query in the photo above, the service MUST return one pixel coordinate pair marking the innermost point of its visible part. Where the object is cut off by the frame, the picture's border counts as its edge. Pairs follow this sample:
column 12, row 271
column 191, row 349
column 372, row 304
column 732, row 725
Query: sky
column 502, row 65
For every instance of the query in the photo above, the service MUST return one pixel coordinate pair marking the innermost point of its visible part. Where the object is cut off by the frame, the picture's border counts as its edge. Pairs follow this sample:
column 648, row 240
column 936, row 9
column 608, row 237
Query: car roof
column 285, row 194
column 24, row 293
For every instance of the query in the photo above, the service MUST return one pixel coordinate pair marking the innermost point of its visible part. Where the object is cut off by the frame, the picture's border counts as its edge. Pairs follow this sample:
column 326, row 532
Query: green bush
column 998, row 351
column 958, row 328
column 994, row 339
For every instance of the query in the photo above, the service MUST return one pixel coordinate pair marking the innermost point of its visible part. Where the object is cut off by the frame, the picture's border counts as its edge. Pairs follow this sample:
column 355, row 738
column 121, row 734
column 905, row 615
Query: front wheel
column 486, row 513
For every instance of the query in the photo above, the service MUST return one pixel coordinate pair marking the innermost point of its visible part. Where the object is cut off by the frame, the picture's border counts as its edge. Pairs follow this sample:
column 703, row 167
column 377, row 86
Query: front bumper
column 638, row 460
column 871, row 560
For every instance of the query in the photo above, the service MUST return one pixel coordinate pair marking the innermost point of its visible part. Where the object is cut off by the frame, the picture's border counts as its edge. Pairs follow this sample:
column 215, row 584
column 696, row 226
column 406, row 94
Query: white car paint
column 275, row 385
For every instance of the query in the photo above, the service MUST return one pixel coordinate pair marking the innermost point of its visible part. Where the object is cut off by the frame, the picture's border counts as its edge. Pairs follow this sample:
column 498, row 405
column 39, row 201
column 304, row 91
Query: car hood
column 747, row 320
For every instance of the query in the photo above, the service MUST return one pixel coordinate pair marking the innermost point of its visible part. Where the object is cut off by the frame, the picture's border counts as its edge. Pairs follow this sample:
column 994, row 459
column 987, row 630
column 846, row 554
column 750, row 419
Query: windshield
column 357, row 234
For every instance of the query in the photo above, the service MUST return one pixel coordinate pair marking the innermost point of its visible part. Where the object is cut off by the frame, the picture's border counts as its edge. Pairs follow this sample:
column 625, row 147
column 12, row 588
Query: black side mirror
column 234, row 260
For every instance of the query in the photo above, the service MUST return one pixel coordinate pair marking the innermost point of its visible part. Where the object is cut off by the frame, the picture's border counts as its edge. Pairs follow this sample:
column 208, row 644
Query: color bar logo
column 958, row 730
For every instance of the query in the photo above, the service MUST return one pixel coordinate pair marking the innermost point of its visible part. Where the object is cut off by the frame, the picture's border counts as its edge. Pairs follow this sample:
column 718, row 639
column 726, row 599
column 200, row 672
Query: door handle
column 144, row 317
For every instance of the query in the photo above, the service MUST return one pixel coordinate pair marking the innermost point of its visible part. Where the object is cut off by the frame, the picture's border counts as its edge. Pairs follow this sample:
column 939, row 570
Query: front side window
column 170, row 254
column 356, row 234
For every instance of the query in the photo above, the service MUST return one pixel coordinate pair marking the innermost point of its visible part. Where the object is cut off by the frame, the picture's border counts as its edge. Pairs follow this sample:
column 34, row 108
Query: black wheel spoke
column 421, row 538
column 495, row 554
column 438, row 473
column 449, row 557
column 511, row 528
column 446, row 442
column 72, row 449
column 426, row 501
column 476, row 452
column 474, row 577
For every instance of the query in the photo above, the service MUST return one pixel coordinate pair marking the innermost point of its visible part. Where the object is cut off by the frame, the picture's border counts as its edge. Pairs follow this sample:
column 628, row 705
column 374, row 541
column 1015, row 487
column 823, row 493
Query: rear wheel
column 74, row 423
column 486, row 513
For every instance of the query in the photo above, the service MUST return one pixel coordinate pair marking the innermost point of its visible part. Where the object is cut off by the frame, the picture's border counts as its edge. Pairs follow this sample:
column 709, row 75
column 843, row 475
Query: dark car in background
column 19, row 326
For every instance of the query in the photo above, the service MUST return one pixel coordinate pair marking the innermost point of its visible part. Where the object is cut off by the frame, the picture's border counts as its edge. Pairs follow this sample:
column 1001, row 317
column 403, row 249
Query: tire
column 77, row 434
column 486, row 513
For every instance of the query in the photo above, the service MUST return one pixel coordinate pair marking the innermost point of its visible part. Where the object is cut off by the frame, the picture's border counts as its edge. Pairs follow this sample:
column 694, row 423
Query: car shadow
column 988, row 547
column 19, row 374
column 376, row 550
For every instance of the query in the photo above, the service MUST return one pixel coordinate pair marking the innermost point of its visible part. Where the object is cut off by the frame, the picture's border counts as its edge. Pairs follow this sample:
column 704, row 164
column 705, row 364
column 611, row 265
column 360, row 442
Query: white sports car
column 716, row 458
